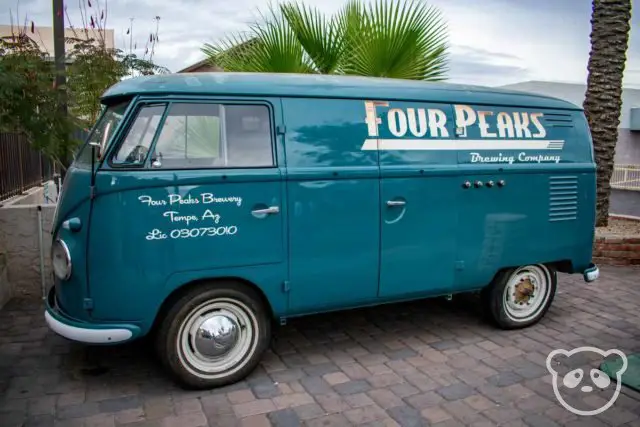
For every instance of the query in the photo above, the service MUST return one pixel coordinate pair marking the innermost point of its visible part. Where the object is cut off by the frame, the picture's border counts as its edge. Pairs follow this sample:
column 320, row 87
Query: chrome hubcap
column 217, row 338
column 216, row 335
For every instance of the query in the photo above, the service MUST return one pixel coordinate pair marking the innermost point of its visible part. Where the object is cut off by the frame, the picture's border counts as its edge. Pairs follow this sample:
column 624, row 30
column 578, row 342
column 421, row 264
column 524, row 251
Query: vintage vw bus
column 204, row 207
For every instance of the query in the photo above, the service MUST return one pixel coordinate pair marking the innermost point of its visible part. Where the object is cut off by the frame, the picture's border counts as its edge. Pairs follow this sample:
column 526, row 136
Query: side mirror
column 156, row 162
column 96, row 146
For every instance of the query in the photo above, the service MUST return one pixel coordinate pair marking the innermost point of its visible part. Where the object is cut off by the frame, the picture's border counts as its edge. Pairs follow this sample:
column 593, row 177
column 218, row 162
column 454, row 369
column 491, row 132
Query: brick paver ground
column 422, row 363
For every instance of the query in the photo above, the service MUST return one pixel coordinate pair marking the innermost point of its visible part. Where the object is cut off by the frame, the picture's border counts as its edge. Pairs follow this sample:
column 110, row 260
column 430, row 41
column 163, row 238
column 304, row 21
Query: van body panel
column 333, row 195
column 537, row 214
column 71, row 293
column 419, row 197
column 501, row 227
column 169, row 225
column 143, row 248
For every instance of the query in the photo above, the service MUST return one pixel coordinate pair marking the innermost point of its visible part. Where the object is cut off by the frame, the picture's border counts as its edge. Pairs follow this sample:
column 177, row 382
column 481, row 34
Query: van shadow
column 389, row 332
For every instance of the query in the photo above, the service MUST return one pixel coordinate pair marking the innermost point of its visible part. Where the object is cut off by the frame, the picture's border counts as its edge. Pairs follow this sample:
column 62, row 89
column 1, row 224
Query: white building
column 625, row 197
column 43, row 36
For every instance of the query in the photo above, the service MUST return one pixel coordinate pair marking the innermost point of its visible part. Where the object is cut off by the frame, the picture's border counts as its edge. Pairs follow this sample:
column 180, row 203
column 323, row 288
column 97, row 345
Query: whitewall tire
column 215, row 334
column 520, row 297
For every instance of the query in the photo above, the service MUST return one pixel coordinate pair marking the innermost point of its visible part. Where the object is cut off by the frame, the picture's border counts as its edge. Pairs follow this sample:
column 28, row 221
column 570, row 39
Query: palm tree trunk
column 609, row 39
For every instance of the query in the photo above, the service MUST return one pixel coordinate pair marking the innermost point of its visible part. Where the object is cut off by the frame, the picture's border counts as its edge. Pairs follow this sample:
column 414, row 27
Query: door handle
column 267, row 211
column 396, row 203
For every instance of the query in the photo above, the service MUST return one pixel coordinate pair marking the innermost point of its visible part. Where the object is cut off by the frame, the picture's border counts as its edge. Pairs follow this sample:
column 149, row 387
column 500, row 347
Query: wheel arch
column 179, row 291
column 563, row 266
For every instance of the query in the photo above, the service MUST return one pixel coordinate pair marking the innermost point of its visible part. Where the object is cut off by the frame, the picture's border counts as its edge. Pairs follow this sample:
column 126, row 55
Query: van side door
column 192, row 191
column 419, row 196
column 333, row 196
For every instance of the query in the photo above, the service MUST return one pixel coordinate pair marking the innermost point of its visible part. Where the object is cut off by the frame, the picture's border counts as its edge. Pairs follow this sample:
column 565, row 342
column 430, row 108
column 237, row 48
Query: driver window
column 207, row 135
column 136, row 144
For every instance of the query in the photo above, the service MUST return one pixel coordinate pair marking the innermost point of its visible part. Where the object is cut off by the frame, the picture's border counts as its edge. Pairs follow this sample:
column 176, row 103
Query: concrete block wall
column 20, row 245
column 6, row 291
column 46, row 193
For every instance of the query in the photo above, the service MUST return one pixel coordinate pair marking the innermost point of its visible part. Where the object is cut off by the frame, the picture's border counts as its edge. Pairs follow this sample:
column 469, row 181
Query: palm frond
column 389, row 38
column 269, row 46
column 321, row 40
column 400, row 39
column 349, row 21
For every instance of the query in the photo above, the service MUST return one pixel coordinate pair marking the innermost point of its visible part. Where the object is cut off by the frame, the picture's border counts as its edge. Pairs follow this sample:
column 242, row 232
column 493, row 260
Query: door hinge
column 281, row 129
column 285, row 286
column 92, row 192
column 87, row 304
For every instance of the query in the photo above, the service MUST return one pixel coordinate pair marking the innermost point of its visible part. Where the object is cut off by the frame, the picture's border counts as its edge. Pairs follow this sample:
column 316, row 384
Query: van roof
column 327, row 86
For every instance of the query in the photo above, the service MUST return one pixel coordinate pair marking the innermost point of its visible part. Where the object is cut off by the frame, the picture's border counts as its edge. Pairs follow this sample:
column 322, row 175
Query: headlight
column 61, row 260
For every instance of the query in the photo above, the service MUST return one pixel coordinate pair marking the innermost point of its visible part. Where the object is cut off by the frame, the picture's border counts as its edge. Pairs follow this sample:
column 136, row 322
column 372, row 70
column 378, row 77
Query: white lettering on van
column 542, row 132
column 484, row 126
column 521, row 123
column 465, row 116
column 478, row 158
column 397, row 120
column 176, row 217
column 192, row 233
column 537, row 158
column 177, row 198
column 371, row 117
column 150, row 202
column 210, row 198
column 505, row 125
column 156, row 234
column 522, row 157
column 417, row 128
column 437, row 123
column 210, row 215
column 508, row 125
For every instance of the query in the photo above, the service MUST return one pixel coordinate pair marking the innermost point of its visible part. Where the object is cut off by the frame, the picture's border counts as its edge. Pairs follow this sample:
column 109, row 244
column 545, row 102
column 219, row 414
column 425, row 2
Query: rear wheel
column 520, row 297
column 214, row 335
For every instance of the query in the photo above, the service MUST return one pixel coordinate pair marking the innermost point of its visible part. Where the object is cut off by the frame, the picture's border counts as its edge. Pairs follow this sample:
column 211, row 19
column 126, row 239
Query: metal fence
column 21, row 166
column 626, row 177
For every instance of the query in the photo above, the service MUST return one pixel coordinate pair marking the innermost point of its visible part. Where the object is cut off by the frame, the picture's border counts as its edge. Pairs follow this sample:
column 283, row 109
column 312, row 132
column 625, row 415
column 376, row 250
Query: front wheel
column 214, row 335
column 520, row 297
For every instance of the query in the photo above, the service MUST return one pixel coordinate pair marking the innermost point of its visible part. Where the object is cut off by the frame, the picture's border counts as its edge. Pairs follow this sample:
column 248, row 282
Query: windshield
column 102, row 132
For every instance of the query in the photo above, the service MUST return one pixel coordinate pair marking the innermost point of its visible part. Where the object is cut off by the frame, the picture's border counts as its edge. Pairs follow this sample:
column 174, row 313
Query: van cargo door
column 333, row 193
column 419, row 195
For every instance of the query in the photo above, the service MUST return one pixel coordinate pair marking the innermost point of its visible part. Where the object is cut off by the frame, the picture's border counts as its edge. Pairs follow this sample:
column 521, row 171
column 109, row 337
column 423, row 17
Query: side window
column 136, row 144
column 214, row 136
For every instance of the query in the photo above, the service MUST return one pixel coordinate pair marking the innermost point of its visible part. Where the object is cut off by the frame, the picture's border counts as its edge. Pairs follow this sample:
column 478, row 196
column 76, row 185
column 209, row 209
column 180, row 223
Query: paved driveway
column 422, row 363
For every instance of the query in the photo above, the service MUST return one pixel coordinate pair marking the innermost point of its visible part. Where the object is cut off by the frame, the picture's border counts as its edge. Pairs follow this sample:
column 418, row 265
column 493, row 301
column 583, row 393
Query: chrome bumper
column 90, row 333
column 591, row 274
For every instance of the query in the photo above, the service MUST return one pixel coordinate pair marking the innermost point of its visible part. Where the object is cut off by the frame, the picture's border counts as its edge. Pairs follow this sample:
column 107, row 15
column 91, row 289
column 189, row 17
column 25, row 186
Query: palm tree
column 609, row 39
column 398, row 39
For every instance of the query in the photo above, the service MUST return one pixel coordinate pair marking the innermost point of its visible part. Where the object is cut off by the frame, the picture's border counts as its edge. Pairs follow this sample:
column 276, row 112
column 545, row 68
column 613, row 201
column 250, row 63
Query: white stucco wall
column 20, row 246
column 575, row 94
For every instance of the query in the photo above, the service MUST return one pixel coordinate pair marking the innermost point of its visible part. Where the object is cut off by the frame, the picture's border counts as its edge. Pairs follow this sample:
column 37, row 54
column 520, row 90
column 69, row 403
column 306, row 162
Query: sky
column 491, row 42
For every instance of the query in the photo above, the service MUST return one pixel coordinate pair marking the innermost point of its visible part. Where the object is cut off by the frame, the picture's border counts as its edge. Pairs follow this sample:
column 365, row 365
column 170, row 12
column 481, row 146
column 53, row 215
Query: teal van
column 206, row 208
